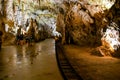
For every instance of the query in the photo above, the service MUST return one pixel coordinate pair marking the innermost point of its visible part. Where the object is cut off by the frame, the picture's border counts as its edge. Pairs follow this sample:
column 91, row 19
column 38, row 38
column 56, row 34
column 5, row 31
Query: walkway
column 91, row 67
column 37, row 62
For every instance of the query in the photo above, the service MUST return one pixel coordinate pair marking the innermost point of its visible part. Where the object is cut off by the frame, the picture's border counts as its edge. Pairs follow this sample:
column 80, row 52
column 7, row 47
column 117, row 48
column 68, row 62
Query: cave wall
column 111, row 45
column 114, row 13
column 82, row 22
column 89, row 24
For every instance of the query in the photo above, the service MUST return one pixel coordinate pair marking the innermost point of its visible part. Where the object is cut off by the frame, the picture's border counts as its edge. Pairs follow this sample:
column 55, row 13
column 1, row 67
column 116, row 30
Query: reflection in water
column 17, row 58
column 29, row 62
column 26, row 54
column 31, row 52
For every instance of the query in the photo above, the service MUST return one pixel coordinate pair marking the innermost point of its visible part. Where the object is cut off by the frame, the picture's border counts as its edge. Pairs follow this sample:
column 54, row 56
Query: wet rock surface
column 36, row 62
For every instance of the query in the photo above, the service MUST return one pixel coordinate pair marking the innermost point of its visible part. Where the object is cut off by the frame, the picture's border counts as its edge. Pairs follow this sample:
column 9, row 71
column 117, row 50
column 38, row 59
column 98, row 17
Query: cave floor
column 92, row 67
column 36, row 62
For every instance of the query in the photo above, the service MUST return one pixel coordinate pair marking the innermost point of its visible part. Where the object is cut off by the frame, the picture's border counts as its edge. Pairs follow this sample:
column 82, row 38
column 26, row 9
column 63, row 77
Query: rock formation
column 111, row 40
column 83, row 23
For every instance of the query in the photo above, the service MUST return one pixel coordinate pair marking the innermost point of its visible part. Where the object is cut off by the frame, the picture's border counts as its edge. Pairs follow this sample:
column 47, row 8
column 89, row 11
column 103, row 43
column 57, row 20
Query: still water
column 37, row 62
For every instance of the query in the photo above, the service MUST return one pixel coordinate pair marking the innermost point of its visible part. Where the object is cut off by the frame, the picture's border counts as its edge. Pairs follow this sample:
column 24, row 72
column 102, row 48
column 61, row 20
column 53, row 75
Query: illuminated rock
column 110, row 39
